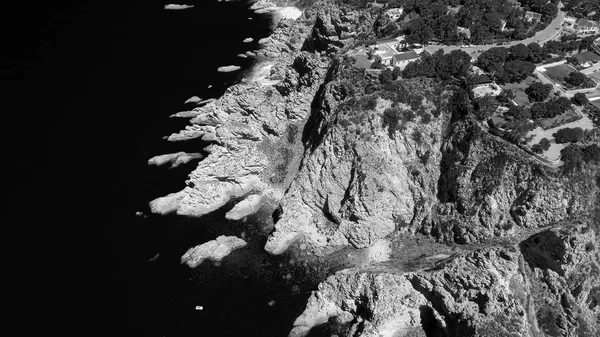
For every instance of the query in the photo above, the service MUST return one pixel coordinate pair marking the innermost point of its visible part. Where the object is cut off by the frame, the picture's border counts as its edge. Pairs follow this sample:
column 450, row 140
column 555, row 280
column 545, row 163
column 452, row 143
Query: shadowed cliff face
column 370, row 165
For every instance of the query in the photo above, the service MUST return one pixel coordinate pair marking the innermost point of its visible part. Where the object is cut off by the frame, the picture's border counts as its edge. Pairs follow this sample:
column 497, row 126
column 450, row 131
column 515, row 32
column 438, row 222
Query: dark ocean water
column 92, row 86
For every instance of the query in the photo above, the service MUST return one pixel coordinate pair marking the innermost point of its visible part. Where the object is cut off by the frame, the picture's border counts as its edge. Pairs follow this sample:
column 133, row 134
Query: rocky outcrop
column 360, row 180
column 175, row 159
column 492, row 291
column 215, row 250
column 491, row 188
column 251, row 149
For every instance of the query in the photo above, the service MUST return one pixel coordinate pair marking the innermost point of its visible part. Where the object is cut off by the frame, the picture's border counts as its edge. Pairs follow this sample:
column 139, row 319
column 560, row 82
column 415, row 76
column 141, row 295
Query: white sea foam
column 280, row 12
column 177, row 7
column 289, row 13
column 260, row 74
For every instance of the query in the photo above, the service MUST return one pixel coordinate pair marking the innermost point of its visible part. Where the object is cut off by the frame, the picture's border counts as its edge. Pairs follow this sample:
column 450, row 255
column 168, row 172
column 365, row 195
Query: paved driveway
column 540, row 37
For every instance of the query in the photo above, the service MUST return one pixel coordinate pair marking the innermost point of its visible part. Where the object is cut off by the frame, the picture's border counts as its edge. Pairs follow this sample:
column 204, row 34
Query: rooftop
column 481, row 79
column 395, row 10
column 533, row 15
column 587, row 56
column 384, row 51
column 585, row 23
column 409, row 55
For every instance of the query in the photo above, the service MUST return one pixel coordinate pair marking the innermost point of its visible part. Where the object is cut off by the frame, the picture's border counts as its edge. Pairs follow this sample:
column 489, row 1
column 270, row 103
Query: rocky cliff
column 360, row 170
column 253, row 126
column 546, row 286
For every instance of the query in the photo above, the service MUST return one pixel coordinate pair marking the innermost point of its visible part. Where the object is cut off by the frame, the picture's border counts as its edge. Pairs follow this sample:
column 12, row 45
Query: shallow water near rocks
column 125, row 71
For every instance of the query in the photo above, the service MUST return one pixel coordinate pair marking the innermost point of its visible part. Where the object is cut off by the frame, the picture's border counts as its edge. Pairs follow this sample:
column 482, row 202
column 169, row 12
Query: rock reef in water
column 248, row 39
column 215, row 250
column 228, row 69
column 177, row 7
column 246, row 207
column 175, row 159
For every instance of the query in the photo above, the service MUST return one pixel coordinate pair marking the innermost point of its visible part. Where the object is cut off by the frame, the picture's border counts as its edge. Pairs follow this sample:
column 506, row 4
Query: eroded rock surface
column 496, row 291
column 250, row 120
column 214, row 250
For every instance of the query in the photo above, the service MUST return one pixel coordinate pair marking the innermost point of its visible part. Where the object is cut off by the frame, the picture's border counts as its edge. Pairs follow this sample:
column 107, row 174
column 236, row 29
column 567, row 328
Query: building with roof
column 587, row 58
column 533, row 16
column 383, row 53
column 464, row 31
column 400, row 60
column 585, row 27
column 394, row 13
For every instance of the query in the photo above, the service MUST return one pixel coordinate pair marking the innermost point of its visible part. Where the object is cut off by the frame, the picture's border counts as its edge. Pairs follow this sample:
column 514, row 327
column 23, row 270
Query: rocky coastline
column 507, row 246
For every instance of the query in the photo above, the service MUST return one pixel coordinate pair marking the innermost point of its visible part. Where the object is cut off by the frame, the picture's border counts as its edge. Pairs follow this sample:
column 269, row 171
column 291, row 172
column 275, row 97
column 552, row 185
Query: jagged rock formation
column 547, row 287
column 359, row 183
column 175, row 159
column 442, row 176
column 214, row 250
column 251, row 125
column 355, row 165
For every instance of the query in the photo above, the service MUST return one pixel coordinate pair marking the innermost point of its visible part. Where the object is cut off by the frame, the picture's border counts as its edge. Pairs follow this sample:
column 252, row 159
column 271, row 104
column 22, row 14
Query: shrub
column 386, row 76
column 542, row 146
column 371, row 103
column 591, row 153
column 568, row 135
column 575, row 78
column 426, row 118
column 580, row 99
column 408, row 115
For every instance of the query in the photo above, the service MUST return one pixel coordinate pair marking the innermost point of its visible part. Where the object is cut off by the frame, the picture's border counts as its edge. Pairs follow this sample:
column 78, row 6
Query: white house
column 394, row 13
column 402, row 59
column 383, row 53
column 533, row 16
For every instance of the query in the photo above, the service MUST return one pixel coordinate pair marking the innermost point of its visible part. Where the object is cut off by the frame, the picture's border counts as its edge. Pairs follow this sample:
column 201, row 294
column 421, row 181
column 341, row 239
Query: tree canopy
column 455, row 64
column 575, row 78
column 568, row 135
column 537, row 91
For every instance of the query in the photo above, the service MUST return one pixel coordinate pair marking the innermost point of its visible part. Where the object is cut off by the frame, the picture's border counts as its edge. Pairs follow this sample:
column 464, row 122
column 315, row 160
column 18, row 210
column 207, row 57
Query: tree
column 568, row 135
column 397, row 72
column 517, row 70
column 537, row 91
column 537, row 54
column 386, row 76
column 492, row 59
column 572, row 155
column 519, row 52
column 580, row 99
column 575, row 78
column 542, row 146
column 591, row 153
column 484, row 107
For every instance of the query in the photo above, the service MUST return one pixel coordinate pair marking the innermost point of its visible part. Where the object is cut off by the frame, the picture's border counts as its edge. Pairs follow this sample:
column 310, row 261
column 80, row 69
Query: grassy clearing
column 518, row 90
column 559, row 72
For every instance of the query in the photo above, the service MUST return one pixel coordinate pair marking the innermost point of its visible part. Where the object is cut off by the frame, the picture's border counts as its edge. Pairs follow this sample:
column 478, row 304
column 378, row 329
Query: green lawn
column 519, row 90
column 557, row 73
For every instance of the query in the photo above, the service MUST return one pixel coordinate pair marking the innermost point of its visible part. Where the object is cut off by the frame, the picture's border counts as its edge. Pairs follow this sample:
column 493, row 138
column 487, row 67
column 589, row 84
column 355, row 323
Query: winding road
column 549, row 33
